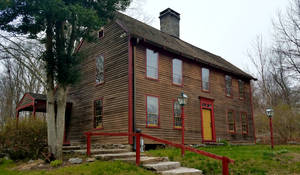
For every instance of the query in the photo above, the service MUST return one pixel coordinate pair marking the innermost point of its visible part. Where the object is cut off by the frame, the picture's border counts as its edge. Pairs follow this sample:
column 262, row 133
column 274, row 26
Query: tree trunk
column 50, row 116
column 60, row 119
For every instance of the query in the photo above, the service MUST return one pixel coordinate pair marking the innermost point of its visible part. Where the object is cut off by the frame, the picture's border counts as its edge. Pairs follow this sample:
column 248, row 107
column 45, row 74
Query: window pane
column 231, row 122
column 228, row 85
column 98, row 118
column 244, row 123
column 177, row 71
column 205, row 79
column 100, row 69
column 152, row 64
column 177, row 114
column 152, row 111
column 241, row 89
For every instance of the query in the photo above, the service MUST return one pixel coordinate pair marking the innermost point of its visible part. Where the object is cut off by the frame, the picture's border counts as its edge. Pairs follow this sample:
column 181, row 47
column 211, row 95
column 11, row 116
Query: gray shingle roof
column 38, row 96
column 175, row 45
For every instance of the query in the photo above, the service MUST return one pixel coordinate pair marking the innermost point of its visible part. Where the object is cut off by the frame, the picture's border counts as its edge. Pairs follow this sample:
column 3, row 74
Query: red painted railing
column 138, row 135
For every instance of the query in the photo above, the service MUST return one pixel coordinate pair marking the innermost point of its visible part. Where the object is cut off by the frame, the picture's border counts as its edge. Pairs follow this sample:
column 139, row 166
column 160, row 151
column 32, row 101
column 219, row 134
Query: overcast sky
column 227, row 28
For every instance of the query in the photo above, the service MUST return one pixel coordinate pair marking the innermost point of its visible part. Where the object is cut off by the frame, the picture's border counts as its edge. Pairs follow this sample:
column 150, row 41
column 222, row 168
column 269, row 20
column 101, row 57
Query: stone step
column 114, row 156
column 162, row 166
column 145, row 160
column 71, row 147
column 213, row 144
column 182, row 171
column 97, row 151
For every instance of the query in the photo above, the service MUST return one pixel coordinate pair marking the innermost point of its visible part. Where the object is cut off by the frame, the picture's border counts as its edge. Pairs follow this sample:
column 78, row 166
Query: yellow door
column 207, row 130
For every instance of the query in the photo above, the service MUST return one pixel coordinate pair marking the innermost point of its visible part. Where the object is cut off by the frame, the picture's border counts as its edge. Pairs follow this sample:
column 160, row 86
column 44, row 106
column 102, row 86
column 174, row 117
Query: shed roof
column 176, row 45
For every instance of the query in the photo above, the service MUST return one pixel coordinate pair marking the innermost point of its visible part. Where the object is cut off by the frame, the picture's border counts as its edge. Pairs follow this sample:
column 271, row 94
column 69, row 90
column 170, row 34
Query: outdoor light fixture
column 182, row 99
column 270, row 112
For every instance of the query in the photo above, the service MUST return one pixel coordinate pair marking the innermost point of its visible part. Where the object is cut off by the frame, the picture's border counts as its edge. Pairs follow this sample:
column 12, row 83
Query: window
column 98, row 113
column 205, row 79
column 152, row 111
column 241, row 89
column 177, row 114
column 177, row 71
column 228, row 85
column 231, row 122
column 100, row 69
column 244, row 120
column 101, row 33
column 152, row 64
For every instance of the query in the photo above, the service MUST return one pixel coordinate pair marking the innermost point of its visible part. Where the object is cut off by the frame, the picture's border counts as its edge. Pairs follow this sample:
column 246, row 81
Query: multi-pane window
column 98, row 113
column 231, row 122
column 101, row 33
column 244, row 123
column 177, row 71
column 152, row 64
column 228, row 85
column 205, row 79
column 241, row 89
column 177, row 114
column 152, row 111
column 99, row 69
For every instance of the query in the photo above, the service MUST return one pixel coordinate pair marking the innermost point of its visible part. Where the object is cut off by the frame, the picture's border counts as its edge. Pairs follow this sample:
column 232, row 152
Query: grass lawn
column 95, row 168
column 256, row 159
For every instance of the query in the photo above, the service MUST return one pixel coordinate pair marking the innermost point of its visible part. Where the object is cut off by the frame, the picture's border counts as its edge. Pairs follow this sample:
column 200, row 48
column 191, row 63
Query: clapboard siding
column 114, row 91
column 167, row 92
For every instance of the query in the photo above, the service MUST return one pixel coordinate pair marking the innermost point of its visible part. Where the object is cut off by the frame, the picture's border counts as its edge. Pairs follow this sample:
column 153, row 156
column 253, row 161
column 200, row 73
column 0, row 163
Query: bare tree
column 137, row 11
column 274, row 88
column 21, row 72
column 287, row 33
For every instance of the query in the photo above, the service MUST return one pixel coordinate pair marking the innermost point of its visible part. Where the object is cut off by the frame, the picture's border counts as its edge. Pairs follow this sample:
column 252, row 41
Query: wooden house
column 132, row 76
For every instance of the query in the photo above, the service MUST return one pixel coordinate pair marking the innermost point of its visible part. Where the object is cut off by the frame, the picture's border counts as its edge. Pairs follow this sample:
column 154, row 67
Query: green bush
column 27, row 141
column 55, row 163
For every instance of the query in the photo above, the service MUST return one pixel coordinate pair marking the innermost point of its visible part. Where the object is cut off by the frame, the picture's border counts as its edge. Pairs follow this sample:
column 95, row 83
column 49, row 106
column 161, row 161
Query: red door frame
column 211, row 107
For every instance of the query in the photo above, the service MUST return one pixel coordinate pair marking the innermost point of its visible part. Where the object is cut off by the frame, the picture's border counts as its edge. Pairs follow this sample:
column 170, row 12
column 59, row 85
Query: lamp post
column 270, row 112
column 182, row 100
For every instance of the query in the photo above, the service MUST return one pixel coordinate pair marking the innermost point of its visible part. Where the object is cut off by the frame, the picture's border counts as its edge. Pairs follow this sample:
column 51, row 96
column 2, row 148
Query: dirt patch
column 39, row 165
column 295, row 156
column 36, row 164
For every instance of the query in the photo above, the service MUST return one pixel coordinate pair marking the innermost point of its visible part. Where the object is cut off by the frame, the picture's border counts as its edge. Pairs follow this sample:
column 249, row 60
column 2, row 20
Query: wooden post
column 271, row 133
column 182, row 131
column 138, row 146
column 225, row 162
column 17, row 119
column 88, row 144
column 34, row 111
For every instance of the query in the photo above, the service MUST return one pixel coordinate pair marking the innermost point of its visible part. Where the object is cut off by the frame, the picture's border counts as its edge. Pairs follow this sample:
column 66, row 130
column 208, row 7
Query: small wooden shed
column 33, row 102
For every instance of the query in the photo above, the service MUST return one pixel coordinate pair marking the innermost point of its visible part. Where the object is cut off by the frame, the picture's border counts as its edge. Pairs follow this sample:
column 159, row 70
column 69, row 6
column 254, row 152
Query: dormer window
column 101, row 33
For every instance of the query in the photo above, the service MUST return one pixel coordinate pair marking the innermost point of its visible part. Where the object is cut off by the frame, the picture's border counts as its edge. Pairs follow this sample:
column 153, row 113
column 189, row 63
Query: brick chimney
column 169, row 22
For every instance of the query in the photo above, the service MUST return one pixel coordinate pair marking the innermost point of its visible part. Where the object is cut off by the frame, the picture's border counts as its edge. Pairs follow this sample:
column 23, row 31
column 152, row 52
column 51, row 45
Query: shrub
column 225, row 142
column 55, row 163
column 27, row 141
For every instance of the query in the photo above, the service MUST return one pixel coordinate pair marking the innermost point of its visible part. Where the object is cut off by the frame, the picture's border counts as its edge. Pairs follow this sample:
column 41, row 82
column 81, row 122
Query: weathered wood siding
column 167, row 92
column 114, row 91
